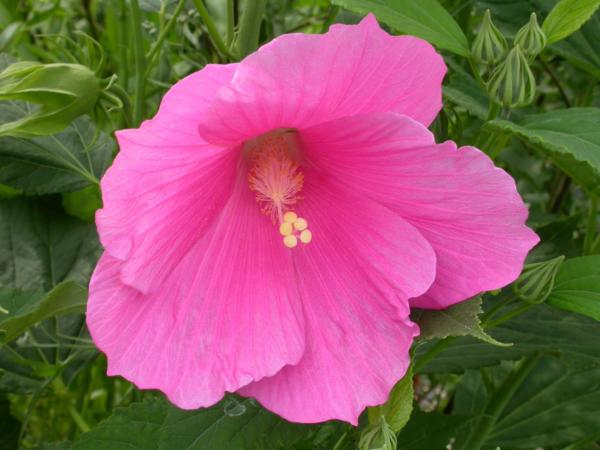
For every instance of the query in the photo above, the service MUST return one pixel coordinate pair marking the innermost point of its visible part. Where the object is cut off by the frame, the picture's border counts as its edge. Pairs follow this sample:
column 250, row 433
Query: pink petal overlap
column 468, row 209
column 227, row 315
column 299, row 80
column 166, row 185
column 354, row 278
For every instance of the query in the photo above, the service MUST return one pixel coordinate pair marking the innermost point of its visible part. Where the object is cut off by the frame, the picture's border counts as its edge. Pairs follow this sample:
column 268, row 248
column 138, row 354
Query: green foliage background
column 513, row 369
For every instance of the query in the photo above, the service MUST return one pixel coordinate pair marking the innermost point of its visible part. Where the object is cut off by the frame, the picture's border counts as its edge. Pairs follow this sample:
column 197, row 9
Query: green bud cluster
column 531, row 38
column 63, row 91
column 380, row 437
column 511, row 82
column 537, row 280
column 489, row 46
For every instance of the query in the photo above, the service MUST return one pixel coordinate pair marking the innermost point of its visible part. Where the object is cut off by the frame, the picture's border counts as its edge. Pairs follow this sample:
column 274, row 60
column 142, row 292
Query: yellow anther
column 290, row 241
column 300, row 224
column 290, row 217
column 305, row 236
column 285, row 228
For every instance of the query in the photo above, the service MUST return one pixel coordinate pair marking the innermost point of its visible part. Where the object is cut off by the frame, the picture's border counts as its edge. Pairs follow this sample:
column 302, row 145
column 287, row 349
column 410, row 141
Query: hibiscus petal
column 166, row 185
column 229, row 314
column 354, row 278
column 299, row 80
column 468, row 209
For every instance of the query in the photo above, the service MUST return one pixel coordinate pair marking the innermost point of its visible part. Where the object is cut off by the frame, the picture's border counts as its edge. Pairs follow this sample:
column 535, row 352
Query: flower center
column 277, row 179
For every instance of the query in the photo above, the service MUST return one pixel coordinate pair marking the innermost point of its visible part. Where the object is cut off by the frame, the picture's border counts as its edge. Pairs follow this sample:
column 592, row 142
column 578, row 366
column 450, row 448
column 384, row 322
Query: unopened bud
column 537, row 280
column 63, row 91
column 512, row 83
column 489, row 46
column 378, row 437
column 531, row 38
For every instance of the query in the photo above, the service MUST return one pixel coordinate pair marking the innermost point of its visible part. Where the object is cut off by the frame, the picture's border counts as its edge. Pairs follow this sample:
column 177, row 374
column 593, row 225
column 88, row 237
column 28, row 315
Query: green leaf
column 557, row 404
column 463, row 90
column 426, row 19
column 569, row 137
column 398, row 407
column 461, row 319
column 567, row 17
column 40, row 246
column 68, row 161
column 577, row 286
column 20, row 310
column 233, row 424
column 83, row 204
column 429, row 431
column 582, row 49
column 542, row 329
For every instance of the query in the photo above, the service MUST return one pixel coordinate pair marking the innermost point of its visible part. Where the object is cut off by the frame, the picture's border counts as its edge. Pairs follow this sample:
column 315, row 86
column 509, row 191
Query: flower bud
column 531, row 38
column 512, row 82
column 537, row 280
column 63, row 91
column 489, row 45
column 378, row 437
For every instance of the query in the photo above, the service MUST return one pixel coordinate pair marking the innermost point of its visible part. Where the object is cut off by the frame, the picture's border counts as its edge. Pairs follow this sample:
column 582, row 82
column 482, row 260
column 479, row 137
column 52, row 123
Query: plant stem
column 497, row 403
column 215, row 37
column 561, row 90
column 433, row 352
column 509, row 315
column 81, row 423
column 230, row 23
column 590, row 231
column 155, row 49
column 140, row 63
column 90, row 18
column 122, row 46
column 559, row 193
column 340, row 442
column 250, row 26
column 333, row 12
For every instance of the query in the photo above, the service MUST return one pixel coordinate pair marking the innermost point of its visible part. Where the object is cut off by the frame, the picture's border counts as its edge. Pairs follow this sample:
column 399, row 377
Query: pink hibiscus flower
column 268, row 230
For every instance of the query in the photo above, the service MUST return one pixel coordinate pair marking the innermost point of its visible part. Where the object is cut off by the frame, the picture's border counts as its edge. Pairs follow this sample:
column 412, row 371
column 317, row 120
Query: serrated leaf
column 569, row 137
column 542, row 329
column 23, row 309
column 426, row 19
column 398, row 408
column 461, row 319
column 154, row 424
column 567, row 17
column 577, row 286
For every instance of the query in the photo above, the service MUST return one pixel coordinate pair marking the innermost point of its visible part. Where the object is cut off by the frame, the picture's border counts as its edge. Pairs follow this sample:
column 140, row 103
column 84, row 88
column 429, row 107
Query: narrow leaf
column 569, row 137
column 567, row 17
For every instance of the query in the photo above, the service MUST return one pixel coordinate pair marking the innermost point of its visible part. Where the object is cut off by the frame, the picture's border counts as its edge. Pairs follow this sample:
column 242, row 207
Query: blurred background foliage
column 513, row 369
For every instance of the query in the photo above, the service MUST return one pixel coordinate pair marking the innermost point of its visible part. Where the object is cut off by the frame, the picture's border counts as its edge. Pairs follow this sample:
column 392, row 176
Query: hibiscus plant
column 300, row 224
